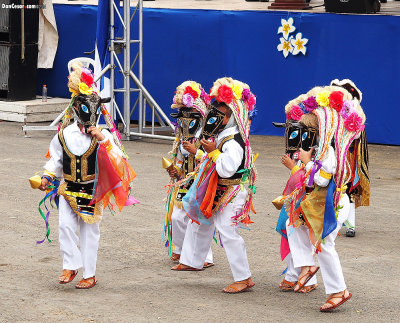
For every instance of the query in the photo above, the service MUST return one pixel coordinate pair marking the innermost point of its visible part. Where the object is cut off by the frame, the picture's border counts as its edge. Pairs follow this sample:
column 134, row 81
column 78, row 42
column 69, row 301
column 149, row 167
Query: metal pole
column 112, row 72
column 142, row 110
column 127, row 65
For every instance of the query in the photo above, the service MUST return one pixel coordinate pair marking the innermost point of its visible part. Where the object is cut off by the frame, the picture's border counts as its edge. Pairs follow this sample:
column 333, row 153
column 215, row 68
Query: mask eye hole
column 304, row 136
column 294, row 134
column 212, row 120
column 192, row 123
column 84, row 108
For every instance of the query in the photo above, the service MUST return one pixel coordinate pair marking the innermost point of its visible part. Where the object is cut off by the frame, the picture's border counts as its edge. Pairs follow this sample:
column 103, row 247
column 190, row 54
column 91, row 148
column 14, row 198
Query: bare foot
column 238, row 287
column 305, row 275
column 67, row 276
column 335, row 300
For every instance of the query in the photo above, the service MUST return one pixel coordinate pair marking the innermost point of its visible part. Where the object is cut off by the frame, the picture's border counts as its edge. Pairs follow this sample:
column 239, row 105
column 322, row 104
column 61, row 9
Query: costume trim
column 324, row 174
column 87, row 217
column 294, row 169
column 228, row 182
column 214, row 154
column 72, row 177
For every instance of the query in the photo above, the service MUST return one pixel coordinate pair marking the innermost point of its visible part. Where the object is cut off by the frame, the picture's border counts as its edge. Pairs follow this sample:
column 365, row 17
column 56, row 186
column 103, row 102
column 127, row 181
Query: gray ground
column 135, row 280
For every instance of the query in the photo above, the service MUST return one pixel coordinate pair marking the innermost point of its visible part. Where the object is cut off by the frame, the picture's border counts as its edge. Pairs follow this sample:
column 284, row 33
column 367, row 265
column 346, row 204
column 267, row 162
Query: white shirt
column 77, row 143
column 230, row 159
column 328, row 166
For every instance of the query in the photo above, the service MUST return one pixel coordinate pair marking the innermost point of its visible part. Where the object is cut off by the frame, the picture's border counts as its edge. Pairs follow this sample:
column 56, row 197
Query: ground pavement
column 135, row 280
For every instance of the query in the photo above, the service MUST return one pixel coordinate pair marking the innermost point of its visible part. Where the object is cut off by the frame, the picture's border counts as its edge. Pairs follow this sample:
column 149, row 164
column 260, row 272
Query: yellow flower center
column 299, row 44
column 286, row 28
column 286, row 45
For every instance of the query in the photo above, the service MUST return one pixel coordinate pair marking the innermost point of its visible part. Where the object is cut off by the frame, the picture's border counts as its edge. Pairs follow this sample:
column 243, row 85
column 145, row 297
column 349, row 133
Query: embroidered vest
column 79, row 168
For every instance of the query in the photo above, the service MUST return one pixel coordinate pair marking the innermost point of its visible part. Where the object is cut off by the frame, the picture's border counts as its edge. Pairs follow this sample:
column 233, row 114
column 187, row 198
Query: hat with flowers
column 339, row 115
column 238, row 97
column 191, row 94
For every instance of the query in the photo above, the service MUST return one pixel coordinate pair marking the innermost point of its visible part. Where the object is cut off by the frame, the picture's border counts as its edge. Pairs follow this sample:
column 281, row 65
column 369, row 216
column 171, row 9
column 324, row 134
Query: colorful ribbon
column 314, row 170
column 53, row 197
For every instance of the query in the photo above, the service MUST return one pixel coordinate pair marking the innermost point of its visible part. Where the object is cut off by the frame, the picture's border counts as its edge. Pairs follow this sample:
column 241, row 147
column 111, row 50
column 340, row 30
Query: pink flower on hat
column 353, row 122
column 296, row 113
column 187, row 100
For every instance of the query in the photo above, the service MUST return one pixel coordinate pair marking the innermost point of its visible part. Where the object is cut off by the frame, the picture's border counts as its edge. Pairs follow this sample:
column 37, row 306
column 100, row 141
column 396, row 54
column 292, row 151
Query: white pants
column 180, row 221
column 302, row 252
column 198, row 239
column 292, row 273
column 352, row 215
column 73, row 257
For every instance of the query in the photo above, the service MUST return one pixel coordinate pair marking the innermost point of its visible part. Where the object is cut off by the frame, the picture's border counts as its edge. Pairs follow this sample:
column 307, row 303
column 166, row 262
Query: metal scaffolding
column 144, row 99
column 122, row 46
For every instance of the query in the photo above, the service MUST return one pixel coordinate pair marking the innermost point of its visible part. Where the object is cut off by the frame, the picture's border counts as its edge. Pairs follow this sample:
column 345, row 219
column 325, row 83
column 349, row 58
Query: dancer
column 298, row 135
column 92, row 167
column 216, row 198
column 317, row 206
column 358, row 188
column 191, row 101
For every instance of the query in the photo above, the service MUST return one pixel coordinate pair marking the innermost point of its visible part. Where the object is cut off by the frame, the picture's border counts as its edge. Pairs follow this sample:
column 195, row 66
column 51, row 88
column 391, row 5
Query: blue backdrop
column 204, row 45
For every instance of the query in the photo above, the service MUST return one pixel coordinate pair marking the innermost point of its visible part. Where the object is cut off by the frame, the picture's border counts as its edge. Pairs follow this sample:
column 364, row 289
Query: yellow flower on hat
column 73, row 92
column 237, row 90
column 196, row 88
column 323, row 98
column 84, row 89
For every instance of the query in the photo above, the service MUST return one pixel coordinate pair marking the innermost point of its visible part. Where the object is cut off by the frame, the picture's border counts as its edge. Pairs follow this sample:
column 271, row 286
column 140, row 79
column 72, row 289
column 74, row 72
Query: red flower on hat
column 87, row 79
column 225, row 94
column 296, row 113
column 336, row 100
column 192, row 92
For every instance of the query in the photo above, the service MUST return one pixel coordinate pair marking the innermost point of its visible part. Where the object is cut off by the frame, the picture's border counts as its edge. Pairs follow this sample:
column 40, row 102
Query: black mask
column 88, row 109
column 299, row 136
column 189, row 122
column 212, row 123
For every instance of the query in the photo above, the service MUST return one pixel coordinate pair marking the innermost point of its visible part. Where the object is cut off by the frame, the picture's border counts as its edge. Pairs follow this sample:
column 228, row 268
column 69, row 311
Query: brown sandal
column 236, row 286
column 329, row 301
column 307, row 289
column 286, row 286
column 69, row 274
column 182, row 267
column 208, row 265
column 175, row 257
column 91, row 281
column 309, row 275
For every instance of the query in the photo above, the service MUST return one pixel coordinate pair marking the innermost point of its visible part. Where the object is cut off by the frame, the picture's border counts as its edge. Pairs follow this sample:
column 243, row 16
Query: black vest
column 79, row 168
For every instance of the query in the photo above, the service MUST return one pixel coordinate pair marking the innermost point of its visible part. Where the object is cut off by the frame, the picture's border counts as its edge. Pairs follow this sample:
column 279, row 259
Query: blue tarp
column 204, row 45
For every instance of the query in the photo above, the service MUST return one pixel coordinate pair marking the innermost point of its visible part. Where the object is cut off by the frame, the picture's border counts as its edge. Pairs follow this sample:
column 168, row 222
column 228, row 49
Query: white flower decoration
column 298, row 44
column 285, row 46
column 286, row 28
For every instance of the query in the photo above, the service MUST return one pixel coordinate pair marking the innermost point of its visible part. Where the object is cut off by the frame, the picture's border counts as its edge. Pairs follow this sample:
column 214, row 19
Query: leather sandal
column 334, row 305
column 307, row 289
column 208, row 265
column 91, row 281
column 238, row 287
column 286, row 286
column 175, row 257
column 69, row 274
column 309, row 275
column 182, row 267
